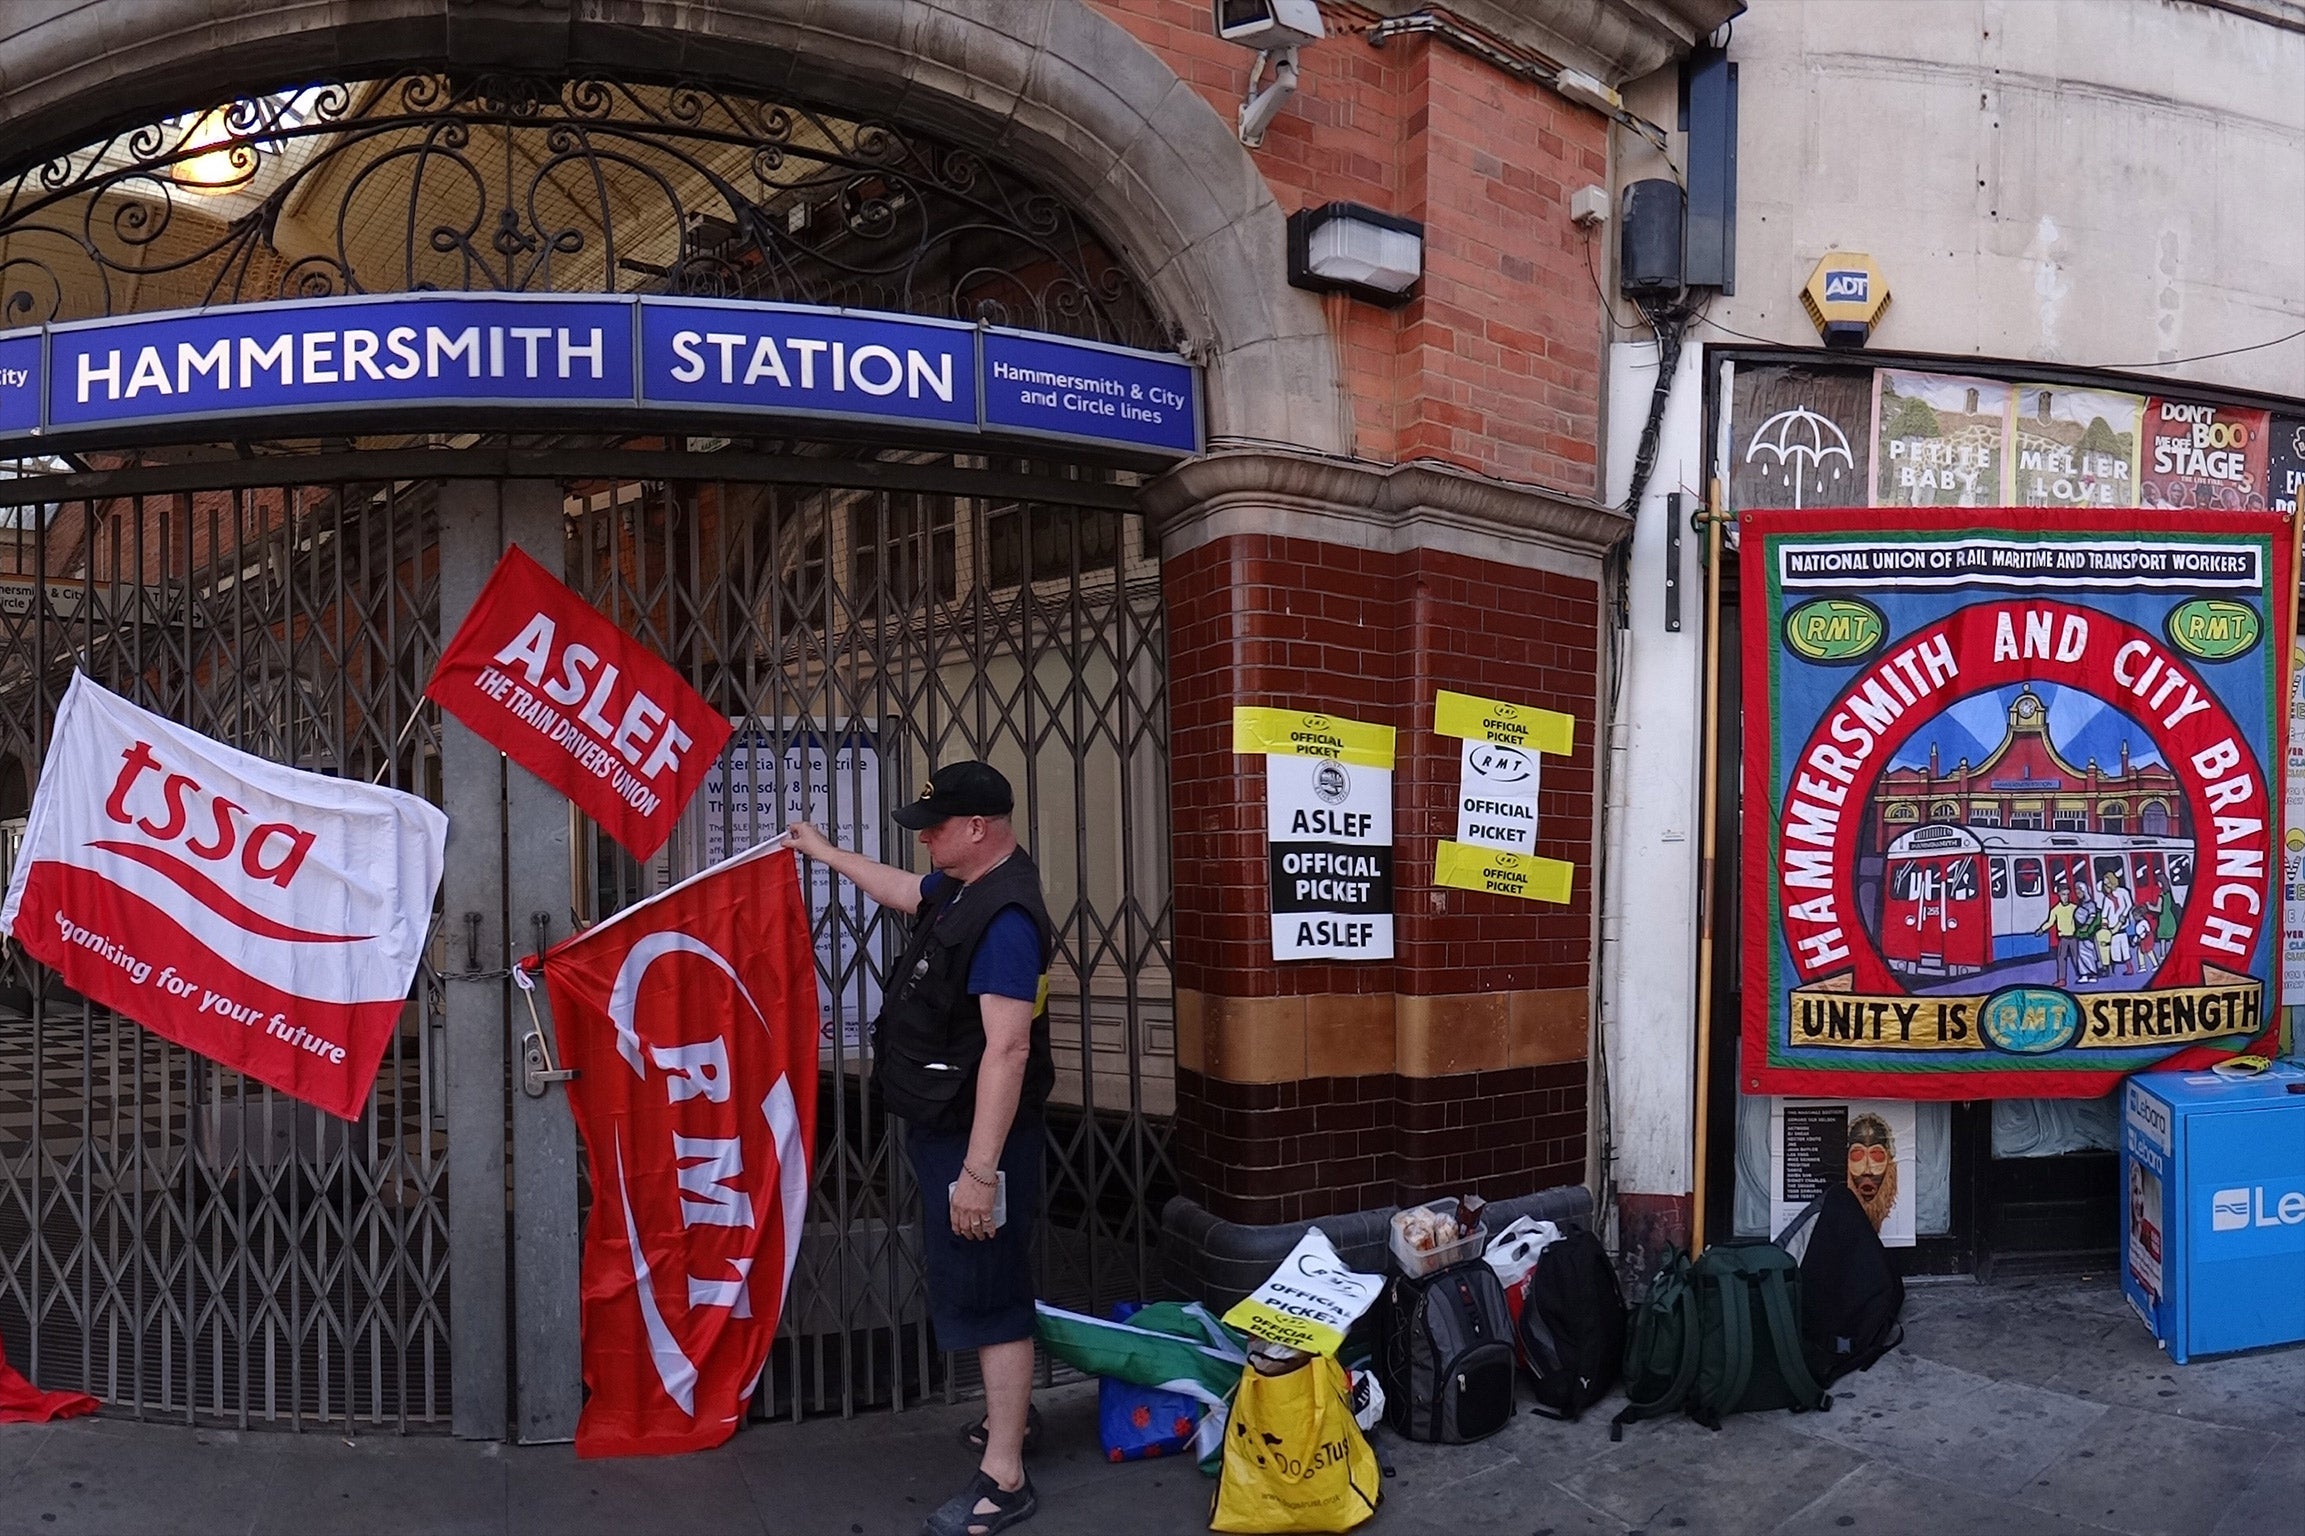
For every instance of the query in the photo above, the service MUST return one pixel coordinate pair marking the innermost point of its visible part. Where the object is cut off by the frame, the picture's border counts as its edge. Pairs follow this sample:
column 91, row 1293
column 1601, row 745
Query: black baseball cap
column 957, row 789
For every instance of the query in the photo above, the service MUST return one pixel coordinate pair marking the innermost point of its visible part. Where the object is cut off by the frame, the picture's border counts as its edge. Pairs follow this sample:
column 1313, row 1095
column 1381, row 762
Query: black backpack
column 1572, row 1329
column 1447, row 1361
column 1850, row 1292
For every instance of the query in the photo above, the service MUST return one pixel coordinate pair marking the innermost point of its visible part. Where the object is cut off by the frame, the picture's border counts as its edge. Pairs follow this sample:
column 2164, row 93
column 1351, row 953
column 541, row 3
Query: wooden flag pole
column 1716, row 523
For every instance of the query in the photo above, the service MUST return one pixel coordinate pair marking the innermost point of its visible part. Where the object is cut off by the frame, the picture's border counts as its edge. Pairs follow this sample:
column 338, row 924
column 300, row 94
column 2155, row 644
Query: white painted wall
column 1648, row 928
column 2097, row 183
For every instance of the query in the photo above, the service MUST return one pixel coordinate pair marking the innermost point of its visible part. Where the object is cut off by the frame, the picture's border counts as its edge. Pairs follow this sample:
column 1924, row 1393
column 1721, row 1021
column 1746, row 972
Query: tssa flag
column 542, row 677
column 690, row 1020
column 268, row 918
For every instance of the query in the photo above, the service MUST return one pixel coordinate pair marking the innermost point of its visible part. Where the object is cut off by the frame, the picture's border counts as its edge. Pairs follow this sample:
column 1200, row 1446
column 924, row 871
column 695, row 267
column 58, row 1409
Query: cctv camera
column 1268, row 23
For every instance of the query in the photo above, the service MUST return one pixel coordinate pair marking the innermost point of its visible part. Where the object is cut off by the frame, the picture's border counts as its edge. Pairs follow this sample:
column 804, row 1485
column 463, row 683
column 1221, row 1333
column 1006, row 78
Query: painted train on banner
column 2015, row 793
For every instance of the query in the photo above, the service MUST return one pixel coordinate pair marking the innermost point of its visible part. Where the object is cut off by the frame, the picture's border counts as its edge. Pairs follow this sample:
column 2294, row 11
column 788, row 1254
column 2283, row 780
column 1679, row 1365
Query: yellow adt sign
column 1845, row 295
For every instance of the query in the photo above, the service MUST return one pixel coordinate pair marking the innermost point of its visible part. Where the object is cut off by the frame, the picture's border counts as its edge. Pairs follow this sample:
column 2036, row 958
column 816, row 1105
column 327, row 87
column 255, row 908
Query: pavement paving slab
column 1880, row 1500
column 2148, row 1474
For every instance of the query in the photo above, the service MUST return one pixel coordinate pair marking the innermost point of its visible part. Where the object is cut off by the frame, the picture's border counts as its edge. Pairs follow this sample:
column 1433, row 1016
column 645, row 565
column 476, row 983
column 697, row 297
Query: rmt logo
column 1848, row 287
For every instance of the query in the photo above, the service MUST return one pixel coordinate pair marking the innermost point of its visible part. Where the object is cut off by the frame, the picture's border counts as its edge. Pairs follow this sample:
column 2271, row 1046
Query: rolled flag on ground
column 1175, row 1346
column 23, row 1403
column 268, row 918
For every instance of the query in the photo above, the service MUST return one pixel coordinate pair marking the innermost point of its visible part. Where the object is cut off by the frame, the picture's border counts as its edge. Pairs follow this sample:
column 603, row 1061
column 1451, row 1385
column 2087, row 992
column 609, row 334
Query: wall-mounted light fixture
column 1346, row 248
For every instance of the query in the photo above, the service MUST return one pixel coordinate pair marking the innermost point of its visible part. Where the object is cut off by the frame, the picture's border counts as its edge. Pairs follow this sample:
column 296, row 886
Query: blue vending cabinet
column 2213, row 1209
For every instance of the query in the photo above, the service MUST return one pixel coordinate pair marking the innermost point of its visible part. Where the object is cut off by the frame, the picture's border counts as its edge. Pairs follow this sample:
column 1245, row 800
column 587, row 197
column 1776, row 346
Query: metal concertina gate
column 185, row 1244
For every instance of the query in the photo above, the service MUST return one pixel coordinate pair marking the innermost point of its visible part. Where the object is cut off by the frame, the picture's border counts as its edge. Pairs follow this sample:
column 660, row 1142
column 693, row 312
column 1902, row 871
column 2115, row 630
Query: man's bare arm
column 896, row 889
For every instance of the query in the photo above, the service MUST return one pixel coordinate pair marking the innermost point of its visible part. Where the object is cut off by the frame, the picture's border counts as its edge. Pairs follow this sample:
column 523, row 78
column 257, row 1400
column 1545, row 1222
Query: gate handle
column 535, row 1050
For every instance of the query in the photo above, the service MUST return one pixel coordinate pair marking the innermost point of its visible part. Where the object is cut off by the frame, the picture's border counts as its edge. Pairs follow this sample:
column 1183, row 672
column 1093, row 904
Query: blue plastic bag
column 1141, row 1423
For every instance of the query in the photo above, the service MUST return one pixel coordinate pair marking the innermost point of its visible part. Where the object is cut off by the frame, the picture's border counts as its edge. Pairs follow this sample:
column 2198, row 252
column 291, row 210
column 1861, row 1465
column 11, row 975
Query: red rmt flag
column 691, row 1022
column 542, row 677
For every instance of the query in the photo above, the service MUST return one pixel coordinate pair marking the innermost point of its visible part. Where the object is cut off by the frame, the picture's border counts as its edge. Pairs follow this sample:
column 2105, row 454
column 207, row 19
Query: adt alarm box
column 2213, row 1208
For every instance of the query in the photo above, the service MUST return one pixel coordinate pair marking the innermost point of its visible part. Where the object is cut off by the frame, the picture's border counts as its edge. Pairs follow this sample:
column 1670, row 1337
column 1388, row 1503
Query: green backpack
column 1720, row 1336
column 1661, row 1345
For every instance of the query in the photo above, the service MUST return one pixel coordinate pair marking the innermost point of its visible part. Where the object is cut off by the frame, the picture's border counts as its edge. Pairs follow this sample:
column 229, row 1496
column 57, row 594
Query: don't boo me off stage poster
column 2011, row 809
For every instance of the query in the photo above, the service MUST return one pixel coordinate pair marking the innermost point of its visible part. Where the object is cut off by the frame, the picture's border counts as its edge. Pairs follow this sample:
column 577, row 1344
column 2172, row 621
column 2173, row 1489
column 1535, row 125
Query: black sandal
column 973, row 1436
column 958, row 1515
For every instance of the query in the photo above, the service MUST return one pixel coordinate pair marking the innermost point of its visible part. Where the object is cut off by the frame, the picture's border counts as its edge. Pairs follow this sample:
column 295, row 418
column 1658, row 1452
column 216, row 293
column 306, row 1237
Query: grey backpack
column 1447, row 1361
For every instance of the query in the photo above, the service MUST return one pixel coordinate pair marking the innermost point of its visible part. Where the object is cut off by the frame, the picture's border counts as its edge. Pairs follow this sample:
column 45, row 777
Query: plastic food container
column 1414, row 1261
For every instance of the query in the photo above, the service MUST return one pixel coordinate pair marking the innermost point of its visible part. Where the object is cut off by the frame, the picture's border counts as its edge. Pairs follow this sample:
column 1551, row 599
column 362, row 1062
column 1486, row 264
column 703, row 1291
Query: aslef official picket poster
column 268, row 918
column 2011, row 801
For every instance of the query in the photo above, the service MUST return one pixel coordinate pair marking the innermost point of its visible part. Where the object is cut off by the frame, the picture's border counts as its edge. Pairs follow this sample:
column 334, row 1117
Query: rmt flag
column 691, row 1022
column 542, row 677
column 268, row 918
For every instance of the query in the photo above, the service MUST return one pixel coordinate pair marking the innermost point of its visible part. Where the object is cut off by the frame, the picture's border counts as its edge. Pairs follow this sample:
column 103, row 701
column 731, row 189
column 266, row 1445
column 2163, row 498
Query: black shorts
column 979, row 1292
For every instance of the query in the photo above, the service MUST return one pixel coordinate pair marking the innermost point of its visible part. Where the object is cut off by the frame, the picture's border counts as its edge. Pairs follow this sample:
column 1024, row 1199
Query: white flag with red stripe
column 268, row 918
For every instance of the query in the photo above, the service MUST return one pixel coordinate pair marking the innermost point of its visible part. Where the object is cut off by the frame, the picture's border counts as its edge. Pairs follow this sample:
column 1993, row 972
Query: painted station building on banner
column 2025, row 785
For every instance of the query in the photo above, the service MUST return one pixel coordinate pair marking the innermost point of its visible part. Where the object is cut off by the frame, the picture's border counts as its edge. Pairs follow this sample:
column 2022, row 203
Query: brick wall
column 1496, row 366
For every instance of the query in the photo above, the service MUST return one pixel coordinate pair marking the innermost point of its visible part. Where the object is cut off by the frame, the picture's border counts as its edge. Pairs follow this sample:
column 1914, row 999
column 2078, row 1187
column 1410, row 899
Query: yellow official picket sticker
column 1512, row 725
column 1308, row 733
column 1502, row 874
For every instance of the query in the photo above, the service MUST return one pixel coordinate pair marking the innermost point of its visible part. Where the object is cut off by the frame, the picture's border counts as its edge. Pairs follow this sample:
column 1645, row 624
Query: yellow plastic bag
column 1294, row 1459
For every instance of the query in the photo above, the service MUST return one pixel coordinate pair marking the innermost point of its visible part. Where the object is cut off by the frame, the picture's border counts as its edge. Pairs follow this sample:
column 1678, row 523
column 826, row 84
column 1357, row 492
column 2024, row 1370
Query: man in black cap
column 961, row 1053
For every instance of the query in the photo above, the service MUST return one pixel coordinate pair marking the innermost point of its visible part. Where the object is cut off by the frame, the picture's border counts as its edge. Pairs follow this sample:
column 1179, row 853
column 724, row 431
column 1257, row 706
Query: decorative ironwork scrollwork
column 517, row 183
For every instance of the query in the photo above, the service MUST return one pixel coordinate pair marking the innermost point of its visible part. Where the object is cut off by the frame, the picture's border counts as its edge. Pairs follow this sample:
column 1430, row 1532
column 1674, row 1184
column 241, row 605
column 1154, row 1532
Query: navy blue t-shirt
column 1007, row 960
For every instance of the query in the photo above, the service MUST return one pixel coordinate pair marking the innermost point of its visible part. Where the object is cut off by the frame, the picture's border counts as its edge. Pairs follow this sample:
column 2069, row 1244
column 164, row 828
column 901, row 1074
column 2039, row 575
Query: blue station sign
column 729, row 360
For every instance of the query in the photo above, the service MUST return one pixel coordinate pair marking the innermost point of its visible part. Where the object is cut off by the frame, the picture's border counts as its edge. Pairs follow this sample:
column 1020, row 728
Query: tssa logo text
column 1848, row 287
column 2230, row 1210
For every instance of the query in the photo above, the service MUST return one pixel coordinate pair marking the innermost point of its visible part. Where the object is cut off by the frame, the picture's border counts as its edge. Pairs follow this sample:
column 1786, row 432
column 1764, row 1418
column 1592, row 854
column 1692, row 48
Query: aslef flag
column 691, row 1022
column 268, row 918
column 542, row 677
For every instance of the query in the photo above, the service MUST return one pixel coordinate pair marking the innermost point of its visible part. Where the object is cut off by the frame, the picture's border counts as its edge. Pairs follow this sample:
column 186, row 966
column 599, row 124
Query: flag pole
column 1715, row 521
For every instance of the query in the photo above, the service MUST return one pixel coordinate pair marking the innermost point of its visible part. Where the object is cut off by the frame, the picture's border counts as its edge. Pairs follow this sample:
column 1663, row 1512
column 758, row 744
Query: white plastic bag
column 1513, row 1253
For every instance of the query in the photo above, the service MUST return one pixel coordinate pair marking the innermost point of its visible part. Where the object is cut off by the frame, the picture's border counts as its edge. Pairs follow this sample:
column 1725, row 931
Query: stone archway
column 1055, row 88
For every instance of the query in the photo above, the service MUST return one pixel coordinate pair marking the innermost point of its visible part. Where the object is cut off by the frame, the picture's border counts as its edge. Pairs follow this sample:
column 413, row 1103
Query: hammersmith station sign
column 714, row 358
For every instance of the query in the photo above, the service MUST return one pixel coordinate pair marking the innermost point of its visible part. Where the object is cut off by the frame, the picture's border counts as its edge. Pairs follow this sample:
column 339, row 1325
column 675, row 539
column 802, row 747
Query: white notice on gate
column 833, row 781
column 1497, row 797
column 1329, row 836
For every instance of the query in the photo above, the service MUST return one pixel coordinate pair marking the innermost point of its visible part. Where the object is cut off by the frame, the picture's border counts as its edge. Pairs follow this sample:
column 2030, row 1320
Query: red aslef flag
column 23, row 1403
column 691, row 1022
column 542, row 677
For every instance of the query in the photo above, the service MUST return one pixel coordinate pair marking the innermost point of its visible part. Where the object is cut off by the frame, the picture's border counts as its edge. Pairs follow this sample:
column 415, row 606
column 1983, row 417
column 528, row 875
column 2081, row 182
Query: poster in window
column 1799, row 436
column 2285, row 464
column 1940, row 440
column 2210, row 457
column 1870, row 1144
column 2076, row 447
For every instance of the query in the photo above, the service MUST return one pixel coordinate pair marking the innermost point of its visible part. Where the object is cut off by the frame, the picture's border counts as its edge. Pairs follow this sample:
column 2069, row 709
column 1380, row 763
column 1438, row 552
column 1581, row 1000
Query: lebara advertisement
column 2010, row 797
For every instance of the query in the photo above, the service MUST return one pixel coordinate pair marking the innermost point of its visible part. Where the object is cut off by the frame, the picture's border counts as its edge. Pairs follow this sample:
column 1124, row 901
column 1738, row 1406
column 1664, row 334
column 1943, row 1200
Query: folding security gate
column 174, row 1238
column 184, row 1243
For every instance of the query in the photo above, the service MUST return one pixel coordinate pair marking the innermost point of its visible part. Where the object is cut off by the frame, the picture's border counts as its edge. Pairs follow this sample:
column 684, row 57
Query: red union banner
column 541, row 676
column 2010, row 817
column 691, row 1022
column 268, row 918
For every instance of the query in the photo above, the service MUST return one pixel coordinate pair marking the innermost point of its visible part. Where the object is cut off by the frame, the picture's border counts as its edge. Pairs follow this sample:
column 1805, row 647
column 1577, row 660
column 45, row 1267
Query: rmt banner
column 690, row 1020
column 540, row 675
column 2010, row 803
column 268, row 918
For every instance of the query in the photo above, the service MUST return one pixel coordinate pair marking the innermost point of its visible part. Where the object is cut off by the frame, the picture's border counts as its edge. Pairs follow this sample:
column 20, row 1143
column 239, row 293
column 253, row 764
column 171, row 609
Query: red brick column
column 1308, row 1088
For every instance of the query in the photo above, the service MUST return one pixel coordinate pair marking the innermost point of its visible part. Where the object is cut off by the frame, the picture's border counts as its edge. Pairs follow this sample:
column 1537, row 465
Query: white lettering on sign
column 582, row 676
column 870, row 370
column 707, row 1167
column 341, row 357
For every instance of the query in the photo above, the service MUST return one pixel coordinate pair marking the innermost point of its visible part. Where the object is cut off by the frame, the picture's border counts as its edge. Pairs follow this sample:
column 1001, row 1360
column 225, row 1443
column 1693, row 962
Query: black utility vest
column 929, row 1037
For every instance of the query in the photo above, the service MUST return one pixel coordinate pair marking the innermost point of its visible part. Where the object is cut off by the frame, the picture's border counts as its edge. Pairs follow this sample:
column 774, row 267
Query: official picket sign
column 1497, row 797
column 589, row 353
column 1329, row 834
